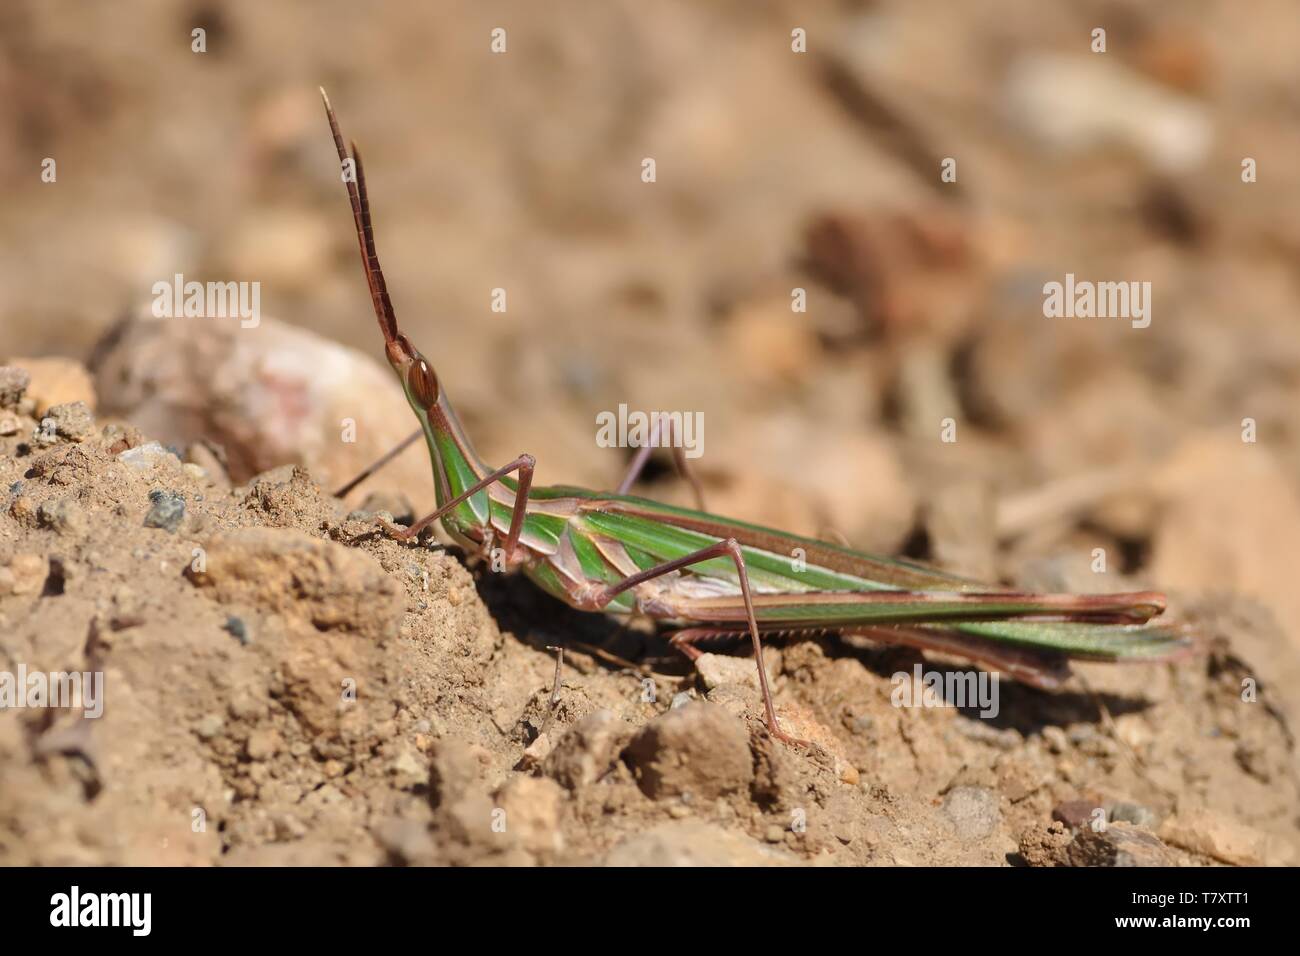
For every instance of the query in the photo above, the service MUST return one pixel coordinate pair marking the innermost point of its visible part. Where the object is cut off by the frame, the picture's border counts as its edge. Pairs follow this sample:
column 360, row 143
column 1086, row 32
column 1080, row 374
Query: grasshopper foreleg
column 524, row 464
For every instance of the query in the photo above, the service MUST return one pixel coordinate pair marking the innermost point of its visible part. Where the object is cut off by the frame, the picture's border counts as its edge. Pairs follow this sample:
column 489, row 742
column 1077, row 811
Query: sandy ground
column 311, row 692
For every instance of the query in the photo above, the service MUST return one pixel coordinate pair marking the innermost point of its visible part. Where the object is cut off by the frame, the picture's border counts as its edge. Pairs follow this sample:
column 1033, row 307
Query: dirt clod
column 698, row 751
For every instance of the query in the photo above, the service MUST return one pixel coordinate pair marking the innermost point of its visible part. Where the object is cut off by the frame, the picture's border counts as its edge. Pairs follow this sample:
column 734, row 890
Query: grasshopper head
column 413, row 370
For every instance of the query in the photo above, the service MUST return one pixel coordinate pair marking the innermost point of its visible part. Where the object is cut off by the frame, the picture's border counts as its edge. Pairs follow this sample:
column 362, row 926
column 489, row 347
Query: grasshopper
column 713, row 577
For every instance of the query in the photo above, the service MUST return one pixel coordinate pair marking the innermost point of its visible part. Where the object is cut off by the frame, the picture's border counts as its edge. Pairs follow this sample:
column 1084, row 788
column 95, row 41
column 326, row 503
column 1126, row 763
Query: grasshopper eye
column 422, row 383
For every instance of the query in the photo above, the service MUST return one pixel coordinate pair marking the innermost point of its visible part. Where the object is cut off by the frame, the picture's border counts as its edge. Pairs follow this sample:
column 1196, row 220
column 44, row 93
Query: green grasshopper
column 716, row 577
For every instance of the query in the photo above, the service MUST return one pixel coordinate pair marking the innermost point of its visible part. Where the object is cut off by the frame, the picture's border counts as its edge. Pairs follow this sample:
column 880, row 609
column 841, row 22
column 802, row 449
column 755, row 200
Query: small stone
column 974, row 812
column 409, row 769
column 1119, row 844
column 236, row 627
column 9, row 424
column 25, row 574
column 454, row 771
column 22, row 509
column 1208, row 834
column 209, row 726
column 64, row 516
column 167, row 511
column 148, row 456
column 13, row 384
column 1076, row 813
column 407, row 842
column 1134, row 813
column 681, row 699
column 1055, row 739
column 263, row 743
column 718, row 669
column 534, row 754
column 56, row 381
column 72, row 422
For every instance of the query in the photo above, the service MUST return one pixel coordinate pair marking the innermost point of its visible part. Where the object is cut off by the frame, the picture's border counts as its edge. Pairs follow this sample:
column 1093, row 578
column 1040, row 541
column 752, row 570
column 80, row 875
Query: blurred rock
column 1212, row 835
column 56, row 381
column 532, row 814
column 1120, row 844
column 1074, row 102
column 70, row 422
column 13, row 385
column 24, row 574
column 268, row 395
column 975, row 812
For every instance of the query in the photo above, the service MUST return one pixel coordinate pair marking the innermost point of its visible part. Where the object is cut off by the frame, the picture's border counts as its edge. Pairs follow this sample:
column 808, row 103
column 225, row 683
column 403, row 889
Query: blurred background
column 775, row 170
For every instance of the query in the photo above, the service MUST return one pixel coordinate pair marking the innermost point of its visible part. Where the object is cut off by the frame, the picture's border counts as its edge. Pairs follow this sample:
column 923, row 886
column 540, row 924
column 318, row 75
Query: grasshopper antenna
column 356, row 183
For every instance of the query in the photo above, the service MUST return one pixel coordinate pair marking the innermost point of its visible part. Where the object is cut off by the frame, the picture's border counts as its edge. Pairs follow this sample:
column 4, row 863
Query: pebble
column 1134, row 813
column 64, row 516
column 25, row 574
column 974, row 812
column 1055, row 739
column 56, row 381
column 71, row 422
column 13, row 384
column 263, row 743
column 209, row 726
column 236, row 627
column 406, row 841
column 1120, row 844
column 167, row 511
column 148, row 456
column 718, row 669
column 1077, row 102
column 1228, row 841
column 1075, row 813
